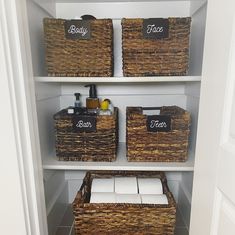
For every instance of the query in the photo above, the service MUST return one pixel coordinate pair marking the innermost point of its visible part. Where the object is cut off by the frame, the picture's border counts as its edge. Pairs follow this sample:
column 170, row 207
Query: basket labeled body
column 99, row 144
column 145, row 53
column 68, row 55
column 157, row 138
column 123, row 218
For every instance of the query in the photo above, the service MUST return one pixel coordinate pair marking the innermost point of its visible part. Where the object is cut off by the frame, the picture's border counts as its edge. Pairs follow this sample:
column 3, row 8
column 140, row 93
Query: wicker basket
column 85, row 57
column 144, row 145
column 123, row 218
column 100, row 145
column 151, row 57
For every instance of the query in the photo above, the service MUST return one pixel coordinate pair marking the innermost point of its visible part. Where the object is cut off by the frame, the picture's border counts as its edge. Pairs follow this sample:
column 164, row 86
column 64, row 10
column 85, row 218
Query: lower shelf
column 51, row 163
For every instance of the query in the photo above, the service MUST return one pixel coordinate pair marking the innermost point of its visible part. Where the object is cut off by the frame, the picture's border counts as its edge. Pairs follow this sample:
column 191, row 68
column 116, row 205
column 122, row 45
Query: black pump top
column 92, row 91
column 88, row 17
column 77, row 95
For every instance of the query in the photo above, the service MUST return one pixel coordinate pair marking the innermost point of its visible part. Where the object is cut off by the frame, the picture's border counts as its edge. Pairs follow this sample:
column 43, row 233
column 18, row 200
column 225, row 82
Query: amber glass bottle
column 92, row 102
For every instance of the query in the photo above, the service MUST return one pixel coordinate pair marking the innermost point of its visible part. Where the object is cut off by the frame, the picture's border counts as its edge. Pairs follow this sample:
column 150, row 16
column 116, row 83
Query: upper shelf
column 119, row 79
column 121, row 163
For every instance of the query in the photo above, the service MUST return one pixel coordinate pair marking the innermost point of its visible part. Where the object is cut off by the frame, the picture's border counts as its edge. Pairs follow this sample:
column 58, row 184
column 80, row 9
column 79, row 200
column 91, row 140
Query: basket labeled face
column 123, row 218
column 86, row 138
column 79, row 47
column 153, row 47
column 157, row 138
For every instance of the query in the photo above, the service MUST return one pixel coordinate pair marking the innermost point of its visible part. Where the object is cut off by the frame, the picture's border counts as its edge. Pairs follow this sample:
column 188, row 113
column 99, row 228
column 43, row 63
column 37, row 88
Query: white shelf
column 119, row 79
column 51, row 163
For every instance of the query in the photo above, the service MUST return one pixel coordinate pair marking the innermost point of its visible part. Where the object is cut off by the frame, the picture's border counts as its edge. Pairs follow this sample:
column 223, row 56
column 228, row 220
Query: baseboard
column 184, row 204
column 57, row 208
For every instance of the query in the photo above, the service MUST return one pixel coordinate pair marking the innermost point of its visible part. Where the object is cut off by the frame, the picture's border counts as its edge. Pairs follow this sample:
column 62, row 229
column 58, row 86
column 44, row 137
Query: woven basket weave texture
column 151, row 57
column 93, row 146
column 66, row 57
column 147, row 146
column 123, row 218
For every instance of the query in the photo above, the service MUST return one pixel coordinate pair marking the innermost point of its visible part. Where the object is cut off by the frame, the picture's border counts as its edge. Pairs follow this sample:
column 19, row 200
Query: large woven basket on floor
column 79, row 57
column 146, row 146
column 123, row 218
column 100, row 145
column 152, row 57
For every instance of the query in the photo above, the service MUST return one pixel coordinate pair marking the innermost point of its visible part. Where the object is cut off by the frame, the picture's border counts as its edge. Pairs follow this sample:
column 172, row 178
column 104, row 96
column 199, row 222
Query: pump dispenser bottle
column 92, row 102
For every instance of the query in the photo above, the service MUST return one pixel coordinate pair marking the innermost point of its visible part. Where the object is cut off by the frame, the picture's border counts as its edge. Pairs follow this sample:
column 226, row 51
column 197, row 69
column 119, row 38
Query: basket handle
column 151, row 108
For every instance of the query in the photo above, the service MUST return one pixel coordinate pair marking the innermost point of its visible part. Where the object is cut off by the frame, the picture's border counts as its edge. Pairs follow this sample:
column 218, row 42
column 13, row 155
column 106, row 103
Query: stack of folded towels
column 127, row 190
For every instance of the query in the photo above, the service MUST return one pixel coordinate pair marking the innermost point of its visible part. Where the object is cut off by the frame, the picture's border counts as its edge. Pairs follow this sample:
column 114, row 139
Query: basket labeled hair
column 98, row 145
column 157, row 138
column 92, row 56
column 167, row 55
column 123, row 218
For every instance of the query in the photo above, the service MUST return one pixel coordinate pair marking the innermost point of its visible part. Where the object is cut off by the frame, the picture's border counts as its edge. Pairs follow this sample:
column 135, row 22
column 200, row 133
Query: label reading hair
column 158, row 123
column 77, row 29
column 84, row 124
column 155, row 28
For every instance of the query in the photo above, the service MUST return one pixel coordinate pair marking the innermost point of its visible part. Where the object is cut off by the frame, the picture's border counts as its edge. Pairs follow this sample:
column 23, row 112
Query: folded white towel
column 102, row 198
column 154, row 199
column 126, row 185
column 128, row 198
column 102, row 185
column 150, row 186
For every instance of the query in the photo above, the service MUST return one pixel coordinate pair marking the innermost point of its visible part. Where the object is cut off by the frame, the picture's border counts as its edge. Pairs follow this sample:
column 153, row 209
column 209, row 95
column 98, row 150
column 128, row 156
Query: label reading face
column 158, row 123
column 77, row 29
column 84, row 124
column 155, row 28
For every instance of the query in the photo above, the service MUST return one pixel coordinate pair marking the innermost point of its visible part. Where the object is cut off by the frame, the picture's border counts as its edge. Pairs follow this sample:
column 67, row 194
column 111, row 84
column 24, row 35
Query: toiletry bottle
column 77, row 103
column 92, row 102
column 111, row 108
column 104, row 108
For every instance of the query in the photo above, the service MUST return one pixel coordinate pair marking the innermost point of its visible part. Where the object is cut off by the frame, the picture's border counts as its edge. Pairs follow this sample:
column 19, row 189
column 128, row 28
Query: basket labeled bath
column 86, row 137
column 155, row 46
column 162, row 137
column 79, row 47
column 123, row 218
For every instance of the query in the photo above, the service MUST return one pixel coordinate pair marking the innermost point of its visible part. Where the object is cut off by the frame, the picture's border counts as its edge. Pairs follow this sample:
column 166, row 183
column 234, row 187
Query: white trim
column 230, row 86
column 216, row 212
column 13, row 17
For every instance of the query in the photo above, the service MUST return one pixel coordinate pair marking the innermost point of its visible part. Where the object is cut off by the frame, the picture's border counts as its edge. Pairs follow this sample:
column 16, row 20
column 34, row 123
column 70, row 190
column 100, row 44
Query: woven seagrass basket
column 123, row 218
column 152, row 57
column 158, row 146
column 100, row 145
column 79, row 57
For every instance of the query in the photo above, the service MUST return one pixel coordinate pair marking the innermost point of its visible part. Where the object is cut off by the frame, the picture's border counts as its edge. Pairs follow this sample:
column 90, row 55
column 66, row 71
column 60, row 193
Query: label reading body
column 155, row 28
column 77, row 29
column 158, row 123
column 84, row 124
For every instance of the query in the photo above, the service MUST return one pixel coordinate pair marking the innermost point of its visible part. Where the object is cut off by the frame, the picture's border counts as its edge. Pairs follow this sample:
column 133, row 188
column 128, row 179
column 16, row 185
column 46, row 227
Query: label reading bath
column 84, row 124
column 77, row 29
column 158, row 123
column 155, row 28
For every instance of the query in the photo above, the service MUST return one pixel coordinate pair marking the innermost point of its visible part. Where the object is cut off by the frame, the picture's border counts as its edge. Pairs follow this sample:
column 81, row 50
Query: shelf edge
column 118, row 79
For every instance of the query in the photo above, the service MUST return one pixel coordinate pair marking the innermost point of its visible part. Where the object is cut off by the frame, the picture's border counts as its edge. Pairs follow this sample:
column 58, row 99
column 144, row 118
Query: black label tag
column 155, row 28
column 77, row 29
column 158, row 123
column 84, row 124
